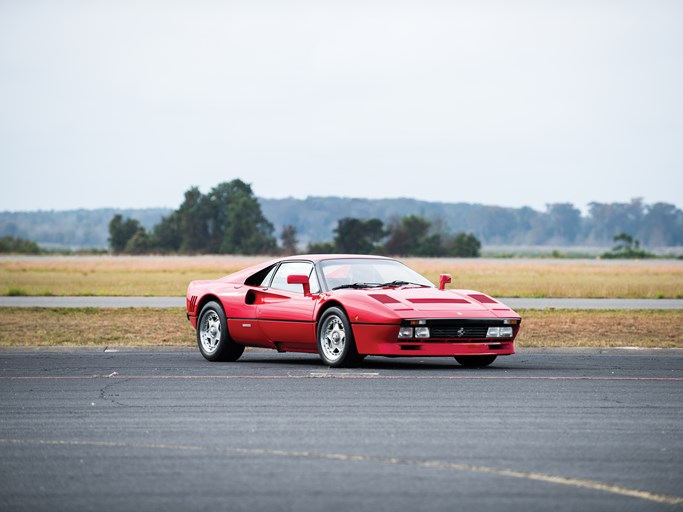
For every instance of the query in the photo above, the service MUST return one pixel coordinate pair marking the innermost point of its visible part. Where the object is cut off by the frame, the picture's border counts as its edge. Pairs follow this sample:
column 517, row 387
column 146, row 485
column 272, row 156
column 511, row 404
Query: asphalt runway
column 540, row 430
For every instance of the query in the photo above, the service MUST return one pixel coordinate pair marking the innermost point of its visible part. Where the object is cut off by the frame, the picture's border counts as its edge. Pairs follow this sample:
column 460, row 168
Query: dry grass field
column 169, row 275
column 169, row 327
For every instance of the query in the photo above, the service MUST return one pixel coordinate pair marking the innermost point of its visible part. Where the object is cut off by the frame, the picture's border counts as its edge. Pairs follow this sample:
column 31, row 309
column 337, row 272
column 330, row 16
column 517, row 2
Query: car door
column 284, row 313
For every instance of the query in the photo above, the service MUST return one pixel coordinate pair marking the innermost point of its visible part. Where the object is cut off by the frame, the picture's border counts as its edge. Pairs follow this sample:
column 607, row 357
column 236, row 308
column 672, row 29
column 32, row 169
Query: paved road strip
column 179, row 302
column 319, row 375
column 583, row 483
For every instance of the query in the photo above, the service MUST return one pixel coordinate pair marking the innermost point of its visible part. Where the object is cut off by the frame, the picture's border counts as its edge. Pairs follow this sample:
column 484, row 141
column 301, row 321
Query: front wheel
column 336, row 344
column 213, row 337
column 475, row 361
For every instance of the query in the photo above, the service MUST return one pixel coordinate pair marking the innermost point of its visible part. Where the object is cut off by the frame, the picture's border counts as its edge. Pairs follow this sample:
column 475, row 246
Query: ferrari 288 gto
column 346, row 307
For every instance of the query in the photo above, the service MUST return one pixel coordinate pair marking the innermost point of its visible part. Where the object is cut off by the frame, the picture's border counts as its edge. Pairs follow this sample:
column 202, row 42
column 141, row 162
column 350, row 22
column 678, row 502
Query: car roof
column 321, row 257
column 241, row 275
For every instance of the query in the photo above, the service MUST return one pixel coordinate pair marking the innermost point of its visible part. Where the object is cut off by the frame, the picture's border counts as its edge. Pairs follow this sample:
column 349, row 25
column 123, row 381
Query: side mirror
column 300, row 279
column 444, row 279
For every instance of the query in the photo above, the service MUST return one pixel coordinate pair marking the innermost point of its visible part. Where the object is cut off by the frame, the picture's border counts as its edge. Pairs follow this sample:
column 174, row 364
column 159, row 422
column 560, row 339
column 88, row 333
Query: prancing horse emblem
column 461, row 331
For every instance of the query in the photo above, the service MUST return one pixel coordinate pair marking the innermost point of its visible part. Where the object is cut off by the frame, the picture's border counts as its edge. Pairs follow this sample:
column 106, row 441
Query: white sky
column 128, row 104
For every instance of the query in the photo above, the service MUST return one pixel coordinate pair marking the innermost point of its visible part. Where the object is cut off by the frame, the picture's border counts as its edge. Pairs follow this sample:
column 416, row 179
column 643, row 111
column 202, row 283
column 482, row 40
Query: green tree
column 139, row 243
column 236, row 223
column 464, row 245
column 193, row 218
column 186, row 230
column 121, row 231
column 289, row 240
column 358, row 236
column 626, row 247
column 408, row 236
column 166, row 234
column 415, row 236
column 320, row 248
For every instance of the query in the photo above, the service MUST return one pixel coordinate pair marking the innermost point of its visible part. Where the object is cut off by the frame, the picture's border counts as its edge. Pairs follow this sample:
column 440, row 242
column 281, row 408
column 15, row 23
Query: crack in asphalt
column 106, row 389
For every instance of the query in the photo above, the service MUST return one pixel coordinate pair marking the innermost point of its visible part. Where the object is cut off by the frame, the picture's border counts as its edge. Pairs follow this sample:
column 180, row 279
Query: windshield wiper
column 380, row 285
column 403, row 283
column 357, row 285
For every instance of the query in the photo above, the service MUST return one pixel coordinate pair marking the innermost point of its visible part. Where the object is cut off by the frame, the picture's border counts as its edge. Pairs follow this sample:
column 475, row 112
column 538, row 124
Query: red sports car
column 346, row 307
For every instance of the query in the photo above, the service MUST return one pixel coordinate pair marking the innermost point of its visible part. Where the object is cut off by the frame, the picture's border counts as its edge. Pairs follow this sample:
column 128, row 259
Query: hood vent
column 483, row 299
column 384, row 299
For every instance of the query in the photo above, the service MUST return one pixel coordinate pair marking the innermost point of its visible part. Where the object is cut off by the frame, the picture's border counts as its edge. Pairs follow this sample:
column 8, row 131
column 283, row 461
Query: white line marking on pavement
column 434, row 464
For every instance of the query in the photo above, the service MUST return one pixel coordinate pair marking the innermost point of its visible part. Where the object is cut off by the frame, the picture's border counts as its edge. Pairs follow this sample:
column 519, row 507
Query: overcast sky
column 128, row 104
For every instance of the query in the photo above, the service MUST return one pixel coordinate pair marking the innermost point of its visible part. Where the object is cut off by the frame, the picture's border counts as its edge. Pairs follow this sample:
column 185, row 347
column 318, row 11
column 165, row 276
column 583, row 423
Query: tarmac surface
column 179, row 302
column 160, row 430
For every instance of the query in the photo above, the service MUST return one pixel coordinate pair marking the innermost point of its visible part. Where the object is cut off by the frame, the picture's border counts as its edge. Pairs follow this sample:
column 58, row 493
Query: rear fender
column 193, row 314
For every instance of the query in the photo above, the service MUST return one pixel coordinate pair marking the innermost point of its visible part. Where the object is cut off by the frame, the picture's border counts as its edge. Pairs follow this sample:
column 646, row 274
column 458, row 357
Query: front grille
column 456, row 331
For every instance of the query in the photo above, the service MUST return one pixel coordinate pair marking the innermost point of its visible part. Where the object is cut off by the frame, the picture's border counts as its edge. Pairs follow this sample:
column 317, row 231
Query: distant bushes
column 411, row 235
column 10, row 244
column 627, row 248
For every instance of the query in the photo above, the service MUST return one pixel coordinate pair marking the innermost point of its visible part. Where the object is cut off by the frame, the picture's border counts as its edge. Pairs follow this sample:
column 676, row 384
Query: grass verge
column 94, row 326
column 647, row 328
column 169, row 327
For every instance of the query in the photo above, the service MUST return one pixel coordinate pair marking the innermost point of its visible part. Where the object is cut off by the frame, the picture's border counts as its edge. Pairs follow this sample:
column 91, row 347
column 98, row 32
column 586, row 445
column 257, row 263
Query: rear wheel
column 336, row 344
column 213, row 338
column 475, row 361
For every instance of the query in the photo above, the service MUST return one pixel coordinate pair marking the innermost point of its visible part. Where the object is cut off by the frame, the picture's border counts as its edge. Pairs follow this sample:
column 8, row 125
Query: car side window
column 295, row 267
column 266, row 280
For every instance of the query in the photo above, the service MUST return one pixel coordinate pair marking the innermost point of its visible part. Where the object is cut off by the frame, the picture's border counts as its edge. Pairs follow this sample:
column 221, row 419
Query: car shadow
column 370, row 363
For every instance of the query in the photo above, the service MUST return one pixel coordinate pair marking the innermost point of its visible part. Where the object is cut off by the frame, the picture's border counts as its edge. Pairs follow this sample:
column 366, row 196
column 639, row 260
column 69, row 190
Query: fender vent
column 192, row 304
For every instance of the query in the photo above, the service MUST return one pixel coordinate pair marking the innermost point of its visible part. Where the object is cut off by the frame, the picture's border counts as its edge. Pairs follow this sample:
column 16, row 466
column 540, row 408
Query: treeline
column 229, row 220
column 71, row 229
column 561, row 224
column 315, row 219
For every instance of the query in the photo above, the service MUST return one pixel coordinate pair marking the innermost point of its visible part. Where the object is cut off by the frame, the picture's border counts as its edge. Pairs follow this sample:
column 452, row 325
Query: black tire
column 213, row 338
column 336, row 344
column 475, row 361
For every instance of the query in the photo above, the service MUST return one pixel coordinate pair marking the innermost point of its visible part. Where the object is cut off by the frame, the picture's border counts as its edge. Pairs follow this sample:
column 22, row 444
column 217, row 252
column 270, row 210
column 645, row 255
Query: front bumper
column 382, row 340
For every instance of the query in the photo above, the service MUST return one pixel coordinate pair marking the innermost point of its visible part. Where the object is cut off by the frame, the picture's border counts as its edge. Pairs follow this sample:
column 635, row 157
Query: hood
column 432, row 302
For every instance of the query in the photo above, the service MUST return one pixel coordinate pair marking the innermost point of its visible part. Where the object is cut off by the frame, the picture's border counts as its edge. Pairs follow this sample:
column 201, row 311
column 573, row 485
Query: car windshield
column 369, row 273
